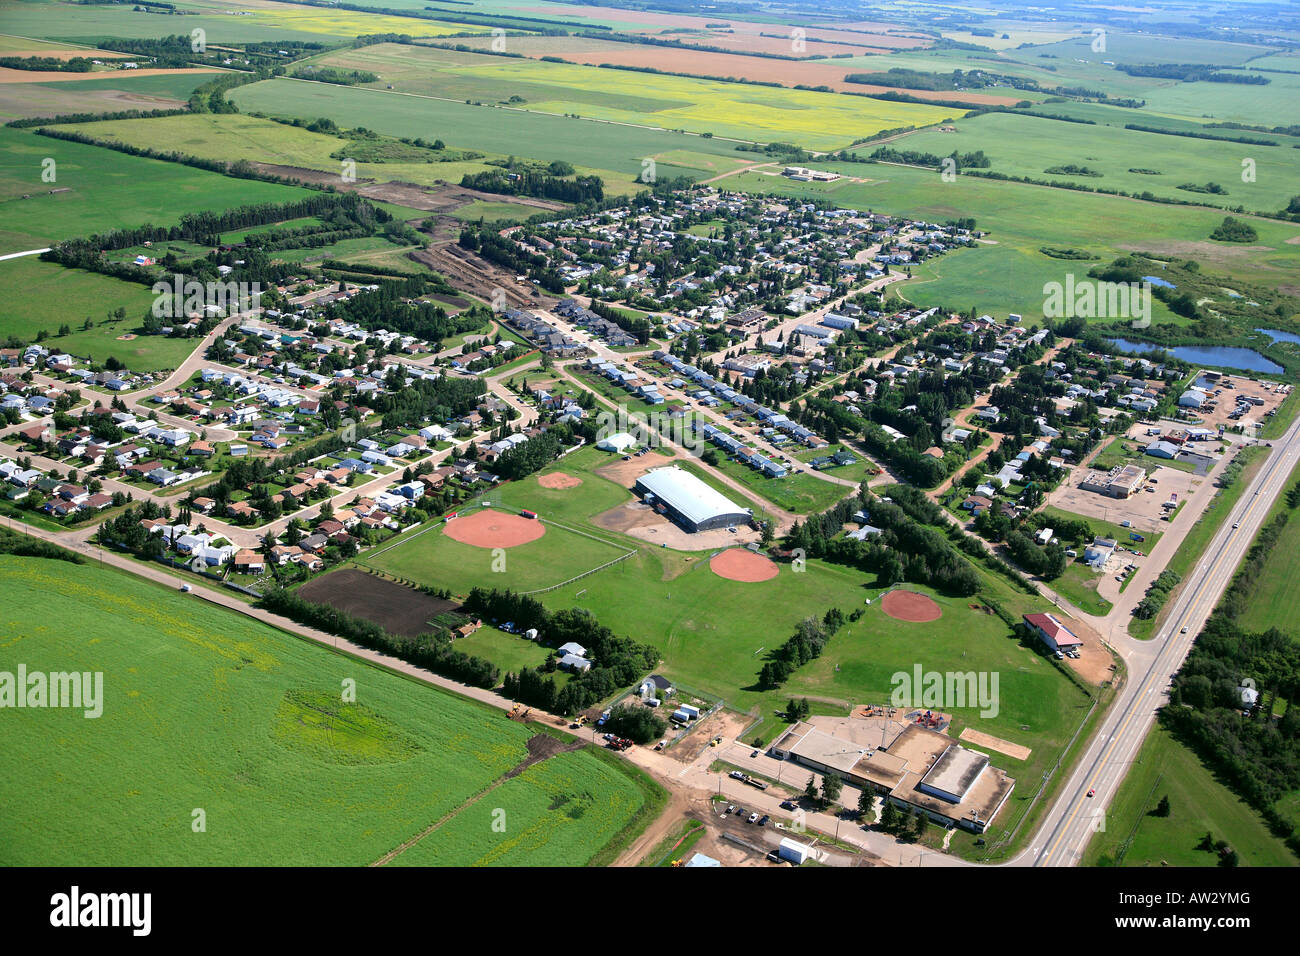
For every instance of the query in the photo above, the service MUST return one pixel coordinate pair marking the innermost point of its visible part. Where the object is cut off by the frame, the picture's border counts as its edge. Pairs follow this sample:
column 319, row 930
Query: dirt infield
column 394, row 607
column 981, row 739
column 558, row 479
column 910, row 606
column 741, row 564
column 494, row 529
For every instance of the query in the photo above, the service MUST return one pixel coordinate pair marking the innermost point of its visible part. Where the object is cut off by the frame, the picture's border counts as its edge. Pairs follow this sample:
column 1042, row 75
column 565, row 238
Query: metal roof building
column 689, row 501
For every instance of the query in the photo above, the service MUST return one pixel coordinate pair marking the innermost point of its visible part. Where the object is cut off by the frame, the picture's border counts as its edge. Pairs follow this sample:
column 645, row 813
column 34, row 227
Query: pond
column 1277, row 335
column 1156, row 280
column 1215, row 356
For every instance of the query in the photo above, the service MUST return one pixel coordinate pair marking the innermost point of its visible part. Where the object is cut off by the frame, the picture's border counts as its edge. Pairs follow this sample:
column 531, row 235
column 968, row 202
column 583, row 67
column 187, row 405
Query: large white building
column 689, row 501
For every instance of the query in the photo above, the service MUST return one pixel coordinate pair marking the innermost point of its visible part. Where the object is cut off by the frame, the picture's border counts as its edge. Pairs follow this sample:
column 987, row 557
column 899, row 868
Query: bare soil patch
column 494, row 529
column 911, row 606
column 741, row 564
column 394, row 607
column 558, row 480
column 981, row 739
column 626, row 473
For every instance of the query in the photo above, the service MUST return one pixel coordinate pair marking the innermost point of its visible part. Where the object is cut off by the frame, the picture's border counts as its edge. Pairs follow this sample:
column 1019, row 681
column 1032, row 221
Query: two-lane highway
column 1075, row 816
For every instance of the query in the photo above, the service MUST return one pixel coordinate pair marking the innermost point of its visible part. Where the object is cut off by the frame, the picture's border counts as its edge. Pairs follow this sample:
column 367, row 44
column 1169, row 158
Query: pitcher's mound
column 741, row 564
column 558, row 479
column 493, row 529
column 910, row 606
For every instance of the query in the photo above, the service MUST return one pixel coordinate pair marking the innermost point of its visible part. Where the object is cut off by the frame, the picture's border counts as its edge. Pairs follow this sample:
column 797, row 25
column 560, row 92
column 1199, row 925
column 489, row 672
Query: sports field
column 434, row 557
column 204, row 710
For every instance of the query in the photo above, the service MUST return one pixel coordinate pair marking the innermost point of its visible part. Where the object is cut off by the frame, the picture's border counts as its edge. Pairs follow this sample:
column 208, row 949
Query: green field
column 36, row 296
column 1008, row 273
column 206, row 710
column 742, row 111
column 553, row 814
column 256, row 20
column 106, row 190
column 1198, row 803
column 1020, row 145
column 437, row 560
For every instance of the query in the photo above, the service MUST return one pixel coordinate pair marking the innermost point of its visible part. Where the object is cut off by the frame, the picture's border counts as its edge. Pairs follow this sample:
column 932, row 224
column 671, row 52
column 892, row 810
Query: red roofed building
column 1053, row 633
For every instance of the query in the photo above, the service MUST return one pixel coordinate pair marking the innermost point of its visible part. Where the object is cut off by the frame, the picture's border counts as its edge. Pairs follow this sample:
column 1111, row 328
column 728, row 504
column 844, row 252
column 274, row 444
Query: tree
column 810, row 791
column 1162, row 808
column 832, row 787
column 889, row 817
column 920, row 823
column 866, row 801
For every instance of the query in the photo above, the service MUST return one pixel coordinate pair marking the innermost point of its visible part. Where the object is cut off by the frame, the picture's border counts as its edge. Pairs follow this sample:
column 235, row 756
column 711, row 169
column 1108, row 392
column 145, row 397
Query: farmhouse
column 689, row 501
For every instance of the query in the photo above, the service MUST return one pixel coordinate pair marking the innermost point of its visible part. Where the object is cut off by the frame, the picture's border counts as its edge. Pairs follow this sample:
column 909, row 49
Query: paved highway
column 1075, row 816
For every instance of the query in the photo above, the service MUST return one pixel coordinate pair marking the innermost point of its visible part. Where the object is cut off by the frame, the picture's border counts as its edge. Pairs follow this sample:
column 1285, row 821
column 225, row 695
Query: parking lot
column 1143, row 509
column 1223, row 401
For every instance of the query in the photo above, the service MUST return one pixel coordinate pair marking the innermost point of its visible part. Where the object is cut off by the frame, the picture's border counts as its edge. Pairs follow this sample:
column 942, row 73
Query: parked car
column 787, row 805
column 753, row 818
column 763, row 820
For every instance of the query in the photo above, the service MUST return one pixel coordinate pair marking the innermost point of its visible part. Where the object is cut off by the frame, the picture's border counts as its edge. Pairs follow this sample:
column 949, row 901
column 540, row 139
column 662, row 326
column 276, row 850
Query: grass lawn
column 797, row 492
column 1198, row 803
column 1078, row 585
column 1123, row 451
column 510, row 652
column 205, row 709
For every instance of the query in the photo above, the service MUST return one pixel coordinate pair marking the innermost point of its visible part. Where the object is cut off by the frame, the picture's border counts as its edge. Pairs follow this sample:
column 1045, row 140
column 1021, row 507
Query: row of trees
column 617, row 661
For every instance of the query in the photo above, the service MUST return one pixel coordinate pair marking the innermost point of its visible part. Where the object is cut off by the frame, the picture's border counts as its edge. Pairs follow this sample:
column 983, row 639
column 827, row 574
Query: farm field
column 1009, row 273
column 1263, row 105
column 789, row 73
column 736, row 110
column 1198, row 803
column 106, row 190
column 556, row 813
column 206, row 710
column 1029, row 146
column 36, row 296
column 257, row 20
column 231, row 137
column 616, row 152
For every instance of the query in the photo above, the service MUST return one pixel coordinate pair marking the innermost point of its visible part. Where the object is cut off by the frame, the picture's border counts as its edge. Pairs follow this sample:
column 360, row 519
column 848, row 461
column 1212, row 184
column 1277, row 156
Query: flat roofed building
column 917, row 767
column 689, row 501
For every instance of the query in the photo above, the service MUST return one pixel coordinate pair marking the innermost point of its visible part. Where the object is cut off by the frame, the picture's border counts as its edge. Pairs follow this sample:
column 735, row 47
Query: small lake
column 1277, row 335
column 1156, row 280
column 1215, row 356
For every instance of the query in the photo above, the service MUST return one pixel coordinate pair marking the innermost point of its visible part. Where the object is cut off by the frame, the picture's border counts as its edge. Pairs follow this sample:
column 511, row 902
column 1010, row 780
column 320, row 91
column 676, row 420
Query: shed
column 794, row 851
